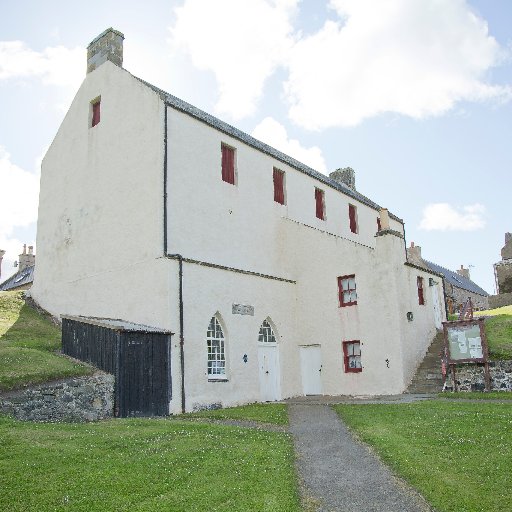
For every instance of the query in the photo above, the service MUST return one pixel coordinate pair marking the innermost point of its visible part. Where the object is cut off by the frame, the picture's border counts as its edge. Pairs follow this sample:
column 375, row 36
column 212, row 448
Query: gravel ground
column 340, row 474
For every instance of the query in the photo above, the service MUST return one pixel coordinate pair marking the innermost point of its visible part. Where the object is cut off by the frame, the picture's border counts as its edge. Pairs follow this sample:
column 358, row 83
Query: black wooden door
column 144, row 375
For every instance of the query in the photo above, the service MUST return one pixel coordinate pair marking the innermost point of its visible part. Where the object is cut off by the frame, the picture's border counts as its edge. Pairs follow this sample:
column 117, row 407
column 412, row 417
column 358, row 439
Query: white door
column 437, row 306
column 268, row 359
column 311, row 369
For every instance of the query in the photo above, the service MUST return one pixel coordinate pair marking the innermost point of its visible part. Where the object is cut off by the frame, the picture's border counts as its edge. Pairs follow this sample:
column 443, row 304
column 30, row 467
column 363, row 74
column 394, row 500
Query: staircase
column 428, row 378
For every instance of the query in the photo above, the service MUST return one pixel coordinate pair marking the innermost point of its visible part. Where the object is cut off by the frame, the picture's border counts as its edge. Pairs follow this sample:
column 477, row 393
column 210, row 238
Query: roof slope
column 226, row 128
column 457, row 280
column 25, row 276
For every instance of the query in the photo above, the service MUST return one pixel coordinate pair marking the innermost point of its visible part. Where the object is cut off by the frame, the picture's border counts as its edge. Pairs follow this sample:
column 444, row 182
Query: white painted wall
column 241, row 226
column 100, row 223
column 100, row 250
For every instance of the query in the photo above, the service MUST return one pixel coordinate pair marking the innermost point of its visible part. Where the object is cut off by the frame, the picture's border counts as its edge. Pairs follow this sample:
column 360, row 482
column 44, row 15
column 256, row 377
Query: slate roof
column 116, row 324
column 22, row 277
column 226, row 128
column 456, row 279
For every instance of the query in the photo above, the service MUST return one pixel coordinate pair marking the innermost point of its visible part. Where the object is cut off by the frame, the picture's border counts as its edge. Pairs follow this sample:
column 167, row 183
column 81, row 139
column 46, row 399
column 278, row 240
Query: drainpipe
column 178, row 257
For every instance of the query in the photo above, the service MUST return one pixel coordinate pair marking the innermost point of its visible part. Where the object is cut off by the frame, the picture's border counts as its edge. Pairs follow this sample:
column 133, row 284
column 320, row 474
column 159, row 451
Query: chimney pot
column 107, row 46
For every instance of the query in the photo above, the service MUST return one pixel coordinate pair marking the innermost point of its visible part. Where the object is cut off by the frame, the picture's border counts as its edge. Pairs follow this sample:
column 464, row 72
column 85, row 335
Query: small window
column 352, row 356
column 378, row 224
column 215, row 348
column 278, row 186
column 228, row 164
column 421, row 297
column 96, row 109
column 347, row 290
column 320, row 204
column 266, row 334
column 352, row 215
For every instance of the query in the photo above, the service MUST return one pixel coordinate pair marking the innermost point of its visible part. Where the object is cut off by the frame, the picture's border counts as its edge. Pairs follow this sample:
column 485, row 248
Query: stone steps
column 428, row 377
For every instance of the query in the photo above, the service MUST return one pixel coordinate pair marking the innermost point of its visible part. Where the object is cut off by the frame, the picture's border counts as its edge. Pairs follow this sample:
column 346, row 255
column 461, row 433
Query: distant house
column 23, row 279
column 458, row 286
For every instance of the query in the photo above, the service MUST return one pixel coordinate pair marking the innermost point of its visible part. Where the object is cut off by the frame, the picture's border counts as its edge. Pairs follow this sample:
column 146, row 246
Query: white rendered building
column 277, row 280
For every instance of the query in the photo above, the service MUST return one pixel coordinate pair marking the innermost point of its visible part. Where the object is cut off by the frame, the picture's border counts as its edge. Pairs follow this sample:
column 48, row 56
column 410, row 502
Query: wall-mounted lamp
column 410, row 316
column 431, row 281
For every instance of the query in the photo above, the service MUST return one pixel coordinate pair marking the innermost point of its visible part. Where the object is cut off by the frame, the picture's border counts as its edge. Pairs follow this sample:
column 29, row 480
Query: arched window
column 266, row 333
column 215, row 347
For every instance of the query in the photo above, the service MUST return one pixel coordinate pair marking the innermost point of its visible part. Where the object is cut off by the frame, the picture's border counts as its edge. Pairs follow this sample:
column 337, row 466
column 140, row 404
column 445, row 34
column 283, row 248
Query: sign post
column 465, row 342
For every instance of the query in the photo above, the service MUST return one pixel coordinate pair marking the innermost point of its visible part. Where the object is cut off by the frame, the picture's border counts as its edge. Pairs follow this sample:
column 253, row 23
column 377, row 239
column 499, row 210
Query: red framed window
column 352, row 356
column 347, row 290
column 228, row 164
column 96, row 110
column 352, row 216
column 320, row 204
column 278, row 186
column 421, row 297
column 378, row 224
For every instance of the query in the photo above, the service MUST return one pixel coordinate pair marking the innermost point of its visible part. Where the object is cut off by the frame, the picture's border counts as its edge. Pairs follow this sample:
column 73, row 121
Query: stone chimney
column 464, row 272
column 346, row 176
column 414, row 255
column 107, row 46
column 26, row 259
column 384, row 218
column 1, row 257
column 506, row 252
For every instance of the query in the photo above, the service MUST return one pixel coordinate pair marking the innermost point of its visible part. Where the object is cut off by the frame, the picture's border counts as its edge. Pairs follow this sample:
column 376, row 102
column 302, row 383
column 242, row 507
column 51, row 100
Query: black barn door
column 144, row 375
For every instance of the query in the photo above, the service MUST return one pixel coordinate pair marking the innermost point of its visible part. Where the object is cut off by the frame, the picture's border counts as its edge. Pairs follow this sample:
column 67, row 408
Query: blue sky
column 415, row 95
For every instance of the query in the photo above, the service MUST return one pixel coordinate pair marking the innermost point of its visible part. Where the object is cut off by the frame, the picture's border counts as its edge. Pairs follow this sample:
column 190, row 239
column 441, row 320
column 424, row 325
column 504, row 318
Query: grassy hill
column 28, row 344
column 498, row 330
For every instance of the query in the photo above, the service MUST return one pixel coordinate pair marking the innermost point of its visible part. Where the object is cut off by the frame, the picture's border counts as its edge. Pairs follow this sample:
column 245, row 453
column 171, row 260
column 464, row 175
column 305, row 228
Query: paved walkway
column 337, row 472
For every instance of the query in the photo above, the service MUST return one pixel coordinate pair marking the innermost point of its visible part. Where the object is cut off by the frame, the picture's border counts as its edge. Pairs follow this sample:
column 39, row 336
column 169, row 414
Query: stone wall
column 470, row 377
column 498, row 301
column 78, row 399
column 459, row 296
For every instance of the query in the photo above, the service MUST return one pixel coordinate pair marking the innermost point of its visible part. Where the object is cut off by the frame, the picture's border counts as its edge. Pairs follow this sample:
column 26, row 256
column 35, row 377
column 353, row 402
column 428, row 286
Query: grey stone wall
column 78, row 399
column 459, row 297
column 504, row 276
column 470, row 377
column 498, row 301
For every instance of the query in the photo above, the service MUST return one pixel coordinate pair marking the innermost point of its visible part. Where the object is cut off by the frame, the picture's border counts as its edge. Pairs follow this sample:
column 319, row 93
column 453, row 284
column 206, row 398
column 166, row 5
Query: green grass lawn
column 144, row 465
column 477, row 395
column 498, row 331
column 28, row 341
column 457, row 455
column 265, row 413
column 505, row 310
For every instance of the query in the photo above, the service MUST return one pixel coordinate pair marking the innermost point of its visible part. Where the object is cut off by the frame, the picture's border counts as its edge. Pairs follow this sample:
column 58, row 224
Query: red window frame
column 320, row 204
column 352, row 356
column 379, row 227
column 96, row 113
column 278, row 186
column 352, row 216
column 228, row 164
column 351, row 289
column 421, row 296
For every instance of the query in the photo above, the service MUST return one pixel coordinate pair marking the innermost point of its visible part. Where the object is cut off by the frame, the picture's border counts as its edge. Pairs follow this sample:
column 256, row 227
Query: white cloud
column 19, row 197
column 274, row 134
column 445, row 217
column 242, row 43
column 416, row 58
column 412, row 57
column 54, row 65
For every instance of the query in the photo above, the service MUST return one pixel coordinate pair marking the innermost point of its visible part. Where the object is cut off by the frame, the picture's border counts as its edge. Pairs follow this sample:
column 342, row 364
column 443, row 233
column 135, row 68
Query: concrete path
column 337, row 472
